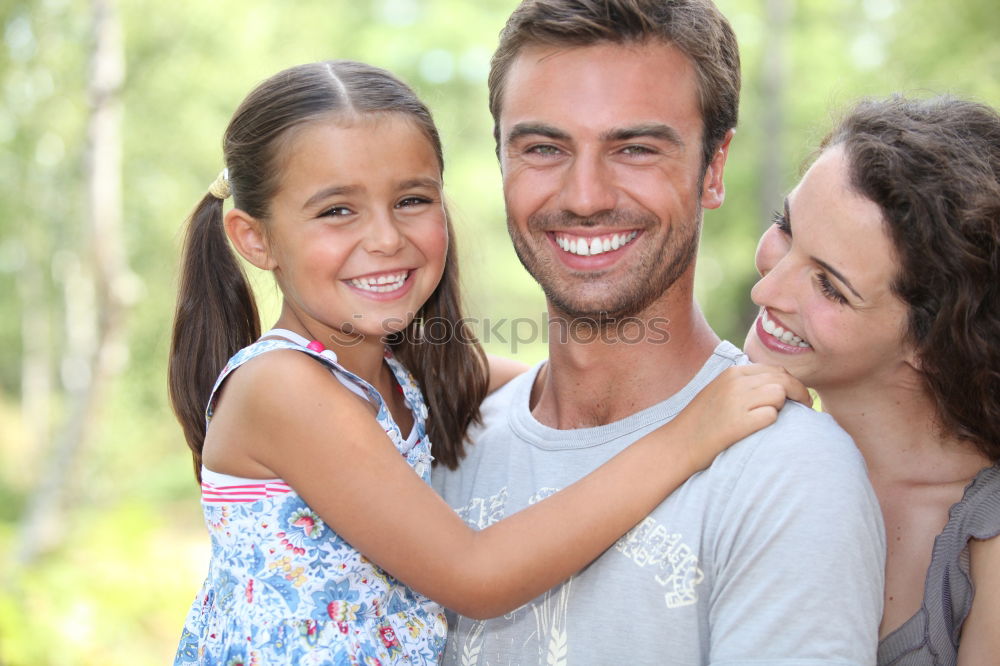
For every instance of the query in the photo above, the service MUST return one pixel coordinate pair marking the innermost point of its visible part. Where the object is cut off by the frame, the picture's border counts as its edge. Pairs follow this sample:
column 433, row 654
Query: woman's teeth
column 382, row 283
column 777, row 331
column 586, row 247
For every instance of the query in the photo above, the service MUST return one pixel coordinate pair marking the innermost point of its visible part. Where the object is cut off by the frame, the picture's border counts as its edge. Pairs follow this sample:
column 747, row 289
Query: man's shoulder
column 499, row 403
column 800, row 437
column 803, row 459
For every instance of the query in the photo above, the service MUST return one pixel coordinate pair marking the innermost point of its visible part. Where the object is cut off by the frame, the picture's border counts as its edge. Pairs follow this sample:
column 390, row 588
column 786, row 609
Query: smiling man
column 613, row 121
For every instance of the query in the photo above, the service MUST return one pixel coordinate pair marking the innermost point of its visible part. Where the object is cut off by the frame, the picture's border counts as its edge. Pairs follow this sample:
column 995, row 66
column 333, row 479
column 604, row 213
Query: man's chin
column 593, row 312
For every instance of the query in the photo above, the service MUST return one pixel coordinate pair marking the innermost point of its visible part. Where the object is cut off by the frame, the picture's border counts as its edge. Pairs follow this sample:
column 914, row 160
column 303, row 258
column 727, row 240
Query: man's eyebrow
column 649, row 130
column 536, row 129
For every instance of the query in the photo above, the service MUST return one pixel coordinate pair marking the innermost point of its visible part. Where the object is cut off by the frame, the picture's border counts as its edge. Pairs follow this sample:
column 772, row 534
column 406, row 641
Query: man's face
column 603, row 177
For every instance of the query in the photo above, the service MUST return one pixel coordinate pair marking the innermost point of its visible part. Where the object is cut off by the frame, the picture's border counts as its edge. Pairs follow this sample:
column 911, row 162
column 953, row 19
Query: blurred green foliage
column 130, row 550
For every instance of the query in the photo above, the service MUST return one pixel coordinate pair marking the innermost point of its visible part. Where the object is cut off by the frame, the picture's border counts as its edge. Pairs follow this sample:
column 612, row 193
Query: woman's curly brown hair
column 933, row 167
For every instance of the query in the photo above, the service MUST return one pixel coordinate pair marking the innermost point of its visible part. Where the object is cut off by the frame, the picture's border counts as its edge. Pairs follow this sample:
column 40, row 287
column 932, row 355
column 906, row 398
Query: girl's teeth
column 588, row 248
column 381, row 284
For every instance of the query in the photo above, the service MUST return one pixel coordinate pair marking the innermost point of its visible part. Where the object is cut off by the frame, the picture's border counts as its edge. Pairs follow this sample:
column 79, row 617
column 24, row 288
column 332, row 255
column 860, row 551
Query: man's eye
column 543, row 149
column 637, row 150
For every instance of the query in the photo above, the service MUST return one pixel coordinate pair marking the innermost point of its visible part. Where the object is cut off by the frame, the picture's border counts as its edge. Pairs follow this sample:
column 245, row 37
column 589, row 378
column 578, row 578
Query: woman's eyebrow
column 837, row 274
column 827, row 267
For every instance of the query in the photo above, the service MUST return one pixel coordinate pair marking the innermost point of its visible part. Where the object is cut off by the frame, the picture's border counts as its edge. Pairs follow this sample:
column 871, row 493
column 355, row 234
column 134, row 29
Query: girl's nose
column 383, row 235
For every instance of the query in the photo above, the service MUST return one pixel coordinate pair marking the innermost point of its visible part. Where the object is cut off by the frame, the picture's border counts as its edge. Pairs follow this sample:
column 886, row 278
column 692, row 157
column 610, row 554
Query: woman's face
column 828, row 313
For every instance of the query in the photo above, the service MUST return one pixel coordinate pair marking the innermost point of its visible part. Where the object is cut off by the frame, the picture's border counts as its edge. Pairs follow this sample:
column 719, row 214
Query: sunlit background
column 111, row 115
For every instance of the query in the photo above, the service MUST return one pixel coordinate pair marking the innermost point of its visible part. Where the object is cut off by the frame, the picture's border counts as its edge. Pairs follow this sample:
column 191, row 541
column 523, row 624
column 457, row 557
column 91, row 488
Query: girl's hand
column 740, row 401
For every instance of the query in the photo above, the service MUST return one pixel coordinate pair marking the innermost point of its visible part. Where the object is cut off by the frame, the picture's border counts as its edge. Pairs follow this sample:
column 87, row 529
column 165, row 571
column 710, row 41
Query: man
column 613, row 120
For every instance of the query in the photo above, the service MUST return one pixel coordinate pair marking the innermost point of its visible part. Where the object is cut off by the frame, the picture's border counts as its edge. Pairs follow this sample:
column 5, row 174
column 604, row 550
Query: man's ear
column 247, row 235
column 713, row 190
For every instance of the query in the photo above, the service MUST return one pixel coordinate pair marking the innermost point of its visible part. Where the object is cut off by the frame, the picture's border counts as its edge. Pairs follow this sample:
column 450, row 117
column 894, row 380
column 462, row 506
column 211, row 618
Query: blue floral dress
column 283, row 588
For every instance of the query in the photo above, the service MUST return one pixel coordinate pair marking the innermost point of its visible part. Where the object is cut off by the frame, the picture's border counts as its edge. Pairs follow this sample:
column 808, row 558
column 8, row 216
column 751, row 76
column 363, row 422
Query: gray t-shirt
column 773, row 555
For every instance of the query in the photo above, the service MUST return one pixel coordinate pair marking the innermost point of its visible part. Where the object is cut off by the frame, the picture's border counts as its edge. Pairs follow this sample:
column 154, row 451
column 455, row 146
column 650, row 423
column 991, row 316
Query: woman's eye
column 828, row 290
column 781, row 221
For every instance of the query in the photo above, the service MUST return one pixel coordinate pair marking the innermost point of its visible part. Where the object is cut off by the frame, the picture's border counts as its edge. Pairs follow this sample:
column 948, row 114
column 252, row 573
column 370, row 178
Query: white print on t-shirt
column 648, row 544
column 481, row 512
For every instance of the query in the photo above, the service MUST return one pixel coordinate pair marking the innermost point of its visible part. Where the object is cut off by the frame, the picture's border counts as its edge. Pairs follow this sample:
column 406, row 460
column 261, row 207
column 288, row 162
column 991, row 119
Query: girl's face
column 357, row 237
column 828, row 314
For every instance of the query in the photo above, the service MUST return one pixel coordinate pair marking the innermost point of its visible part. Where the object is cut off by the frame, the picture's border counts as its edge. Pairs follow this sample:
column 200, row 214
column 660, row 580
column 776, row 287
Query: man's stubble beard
column 645, row 283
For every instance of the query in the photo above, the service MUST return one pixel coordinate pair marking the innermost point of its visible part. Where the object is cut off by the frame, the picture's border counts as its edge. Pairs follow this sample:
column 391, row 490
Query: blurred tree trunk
column 772, row 88
column 96, row 292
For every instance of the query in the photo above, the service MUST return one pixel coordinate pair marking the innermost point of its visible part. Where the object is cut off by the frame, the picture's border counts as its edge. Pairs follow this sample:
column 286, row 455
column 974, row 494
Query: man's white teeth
column 587, row 247
column 381, row 284
column 777, row 331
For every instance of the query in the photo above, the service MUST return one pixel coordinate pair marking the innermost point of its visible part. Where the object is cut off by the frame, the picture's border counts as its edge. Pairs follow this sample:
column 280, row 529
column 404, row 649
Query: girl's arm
column 980, row 642
column 502, row 370
column 322, row 440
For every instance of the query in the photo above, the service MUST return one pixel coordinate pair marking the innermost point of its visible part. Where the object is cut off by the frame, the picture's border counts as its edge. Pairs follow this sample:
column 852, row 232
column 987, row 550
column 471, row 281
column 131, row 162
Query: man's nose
column 587, row 188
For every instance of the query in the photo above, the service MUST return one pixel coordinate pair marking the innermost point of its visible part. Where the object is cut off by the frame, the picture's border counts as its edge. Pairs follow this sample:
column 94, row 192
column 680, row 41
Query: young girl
column 324, row 540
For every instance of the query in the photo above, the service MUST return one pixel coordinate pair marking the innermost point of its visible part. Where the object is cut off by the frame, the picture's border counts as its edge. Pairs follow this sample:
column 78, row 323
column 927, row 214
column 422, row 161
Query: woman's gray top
column 930, row 638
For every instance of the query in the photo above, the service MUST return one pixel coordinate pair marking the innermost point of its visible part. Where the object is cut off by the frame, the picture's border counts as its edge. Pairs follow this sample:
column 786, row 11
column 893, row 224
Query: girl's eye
column 828, row 290
column 336, row 211
column 781, row 221
column 408, row 202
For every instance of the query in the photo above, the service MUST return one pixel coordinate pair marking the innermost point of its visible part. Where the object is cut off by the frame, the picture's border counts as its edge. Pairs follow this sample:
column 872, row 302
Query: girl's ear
column 247, row 236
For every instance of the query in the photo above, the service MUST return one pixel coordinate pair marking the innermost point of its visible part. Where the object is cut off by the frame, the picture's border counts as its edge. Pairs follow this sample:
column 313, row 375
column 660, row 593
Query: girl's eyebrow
column 410, row 183
column 341, row 190
column 326, row 192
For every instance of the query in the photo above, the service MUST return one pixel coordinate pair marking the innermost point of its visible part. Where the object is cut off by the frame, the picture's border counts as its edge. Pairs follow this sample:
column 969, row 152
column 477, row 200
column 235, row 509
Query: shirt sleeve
column 800, row 551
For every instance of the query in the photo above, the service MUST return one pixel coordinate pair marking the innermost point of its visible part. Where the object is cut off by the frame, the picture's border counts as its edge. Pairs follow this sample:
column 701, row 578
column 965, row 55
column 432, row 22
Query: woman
column 881, row 290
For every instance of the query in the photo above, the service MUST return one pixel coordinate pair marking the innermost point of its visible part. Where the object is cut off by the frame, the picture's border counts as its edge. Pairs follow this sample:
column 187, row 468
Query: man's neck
column 599, row 376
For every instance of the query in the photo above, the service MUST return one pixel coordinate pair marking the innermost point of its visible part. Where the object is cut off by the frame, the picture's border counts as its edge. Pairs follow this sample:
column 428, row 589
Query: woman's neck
column 898, row 432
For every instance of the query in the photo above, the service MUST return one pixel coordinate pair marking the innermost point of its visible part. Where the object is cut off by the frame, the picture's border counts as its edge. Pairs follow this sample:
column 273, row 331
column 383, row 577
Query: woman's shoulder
column 979, row 508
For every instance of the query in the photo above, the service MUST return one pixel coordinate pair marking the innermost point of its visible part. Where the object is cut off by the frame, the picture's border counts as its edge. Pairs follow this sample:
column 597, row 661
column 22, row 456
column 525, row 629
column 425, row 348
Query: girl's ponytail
column 216, row 317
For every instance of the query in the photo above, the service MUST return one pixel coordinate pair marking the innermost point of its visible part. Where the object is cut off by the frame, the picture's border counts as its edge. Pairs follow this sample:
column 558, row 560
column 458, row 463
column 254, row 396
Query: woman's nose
column 771, row 248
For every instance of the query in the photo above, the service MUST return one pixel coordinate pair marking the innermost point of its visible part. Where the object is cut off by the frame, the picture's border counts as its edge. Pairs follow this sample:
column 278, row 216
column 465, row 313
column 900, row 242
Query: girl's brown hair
column 216, row 313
